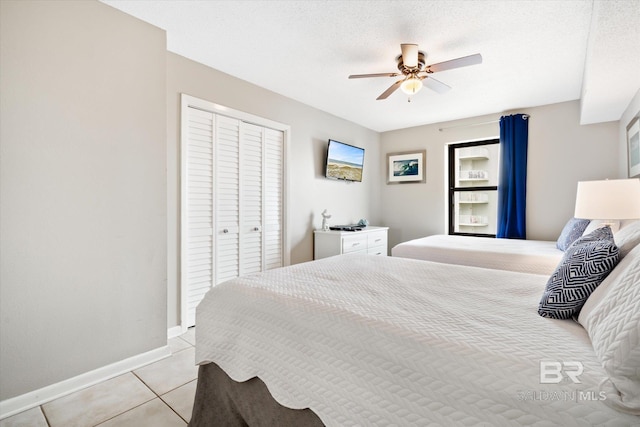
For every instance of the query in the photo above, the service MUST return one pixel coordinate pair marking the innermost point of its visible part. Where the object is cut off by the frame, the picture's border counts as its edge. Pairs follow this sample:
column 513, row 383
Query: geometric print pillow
column 572, row 230
column 583, row 267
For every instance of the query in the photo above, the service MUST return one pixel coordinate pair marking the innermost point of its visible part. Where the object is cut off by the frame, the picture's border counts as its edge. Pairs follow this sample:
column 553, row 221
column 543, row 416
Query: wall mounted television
column 344, row 161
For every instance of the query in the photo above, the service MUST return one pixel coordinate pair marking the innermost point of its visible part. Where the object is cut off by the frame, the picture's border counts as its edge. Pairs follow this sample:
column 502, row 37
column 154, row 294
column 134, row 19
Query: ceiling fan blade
column 409, row 55
column 363, row 76
column 435, row 85
column 465, row 61
column 391, row 89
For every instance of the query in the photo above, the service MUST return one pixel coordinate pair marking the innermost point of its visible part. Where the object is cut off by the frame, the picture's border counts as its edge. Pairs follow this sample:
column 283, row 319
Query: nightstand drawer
column 354, row 243
column 378, row 250
column 377, row 238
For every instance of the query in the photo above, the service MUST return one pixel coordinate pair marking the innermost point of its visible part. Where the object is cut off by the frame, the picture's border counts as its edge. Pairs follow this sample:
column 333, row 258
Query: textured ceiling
column 535, row 52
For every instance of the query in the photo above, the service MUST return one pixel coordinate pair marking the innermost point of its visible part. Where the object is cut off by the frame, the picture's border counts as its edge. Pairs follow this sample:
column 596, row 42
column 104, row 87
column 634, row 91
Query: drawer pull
column 355, row 244
column 378, row 240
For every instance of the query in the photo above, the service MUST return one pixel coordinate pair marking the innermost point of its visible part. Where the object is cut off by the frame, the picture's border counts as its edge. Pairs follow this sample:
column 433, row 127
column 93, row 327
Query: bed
column 364, row 340
column 527, row 256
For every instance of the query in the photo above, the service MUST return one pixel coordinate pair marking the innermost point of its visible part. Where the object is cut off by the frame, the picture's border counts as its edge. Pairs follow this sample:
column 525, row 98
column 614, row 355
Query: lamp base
column 613, row 224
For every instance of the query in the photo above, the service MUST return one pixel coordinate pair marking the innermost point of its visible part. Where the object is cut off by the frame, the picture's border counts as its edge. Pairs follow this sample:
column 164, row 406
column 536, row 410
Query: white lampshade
column 411, row 86
column 609, row 199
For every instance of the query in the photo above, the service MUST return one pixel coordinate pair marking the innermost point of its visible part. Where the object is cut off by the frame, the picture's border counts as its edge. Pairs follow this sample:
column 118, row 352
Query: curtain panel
column 512, row 185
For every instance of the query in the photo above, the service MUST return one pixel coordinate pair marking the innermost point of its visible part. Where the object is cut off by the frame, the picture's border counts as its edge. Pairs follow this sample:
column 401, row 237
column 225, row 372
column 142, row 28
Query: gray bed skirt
column 221, row 401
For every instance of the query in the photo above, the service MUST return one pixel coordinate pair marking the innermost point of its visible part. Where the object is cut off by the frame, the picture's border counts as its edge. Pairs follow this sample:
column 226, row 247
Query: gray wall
column 309, row 192
column 83, row 190
column 89, row 181
column 561, row 153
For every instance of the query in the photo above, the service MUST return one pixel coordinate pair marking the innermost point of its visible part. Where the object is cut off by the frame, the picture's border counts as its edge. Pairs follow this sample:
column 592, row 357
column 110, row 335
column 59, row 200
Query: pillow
column 583, row 267
column 627, row 238
column 598, row 223
column 624, row 223
column 571, row 231
column 611, row 317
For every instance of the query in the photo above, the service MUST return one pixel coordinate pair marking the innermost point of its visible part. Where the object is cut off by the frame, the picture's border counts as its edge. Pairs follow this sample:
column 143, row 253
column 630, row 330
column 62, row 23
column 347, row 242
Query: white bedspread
column 527, row 256
column 364, row 340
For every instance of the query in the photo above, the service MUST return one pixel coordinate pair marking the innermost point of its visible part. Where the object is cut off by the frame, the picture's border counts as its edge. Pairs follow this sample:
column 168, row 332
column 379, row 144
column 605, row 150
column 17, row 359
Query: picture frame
column 633, row 147
column 408, row 167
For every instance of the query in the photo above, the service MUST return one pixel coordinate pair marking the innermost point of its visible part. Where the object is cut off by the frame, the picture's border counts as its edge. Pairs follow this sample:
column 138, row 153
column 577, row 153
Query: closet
column 232, row 198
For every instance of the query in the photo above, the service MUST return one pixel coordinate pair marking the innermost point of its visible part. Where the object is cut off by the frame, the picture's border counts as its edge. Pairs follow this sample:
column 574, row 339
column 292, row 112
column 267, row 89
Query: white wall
column 89, row 180
column 633, row 109
column 415, row 210
column 561, row 153
column 309, row 192
column 83, row 189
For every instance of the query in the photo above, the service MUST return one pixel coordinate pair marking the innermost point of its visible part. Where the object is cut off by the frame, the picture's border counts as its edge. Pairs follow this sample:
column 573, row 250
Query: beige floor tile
column 170, row 373
column 181, row 399
column 176, row 344
column 151, row 414
column 189, row 336
column 98, row 403
column 29, row 418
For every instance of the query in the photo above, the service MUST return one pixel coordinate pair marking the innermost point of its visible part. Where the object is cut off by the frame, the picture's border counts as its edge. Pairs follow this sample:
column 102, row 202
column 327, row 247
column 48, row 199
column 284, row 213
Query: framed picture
column 407, row 167
column 633, row 147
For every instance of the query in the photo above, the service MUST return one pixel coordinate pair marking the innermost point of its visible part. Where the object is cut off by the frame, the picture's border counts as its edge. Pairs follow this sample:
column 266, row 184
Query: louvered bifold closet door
column 199, row 206
column 273, row 198
column 251, row 196
column 227, row 198
column 232, row 198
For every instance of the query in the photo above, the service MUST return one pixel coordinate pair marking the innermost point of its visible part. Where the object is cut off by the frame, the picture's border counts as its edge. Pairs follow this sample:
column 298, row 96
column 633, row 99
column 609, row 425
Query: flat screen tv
column 344, row 161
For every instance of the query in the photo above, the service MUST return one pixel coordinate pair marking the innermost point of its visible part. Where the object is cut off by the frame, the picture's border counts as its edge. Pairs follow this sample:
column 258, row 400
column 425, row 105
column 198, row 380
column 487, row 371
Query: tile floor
column 159, row 394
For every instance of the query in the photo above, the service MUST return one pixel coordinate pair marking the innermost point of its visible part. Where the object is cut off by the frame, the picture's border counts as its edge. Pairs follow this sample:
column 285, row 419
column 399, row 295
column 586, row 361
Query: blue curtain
column 512, row 187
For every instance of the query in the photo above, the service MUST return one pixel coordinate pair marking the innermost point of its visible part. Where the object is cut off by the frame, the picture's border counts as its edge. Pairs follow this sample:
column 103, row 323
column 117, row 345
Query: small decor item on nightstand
column 325, row 220
column 363, row 222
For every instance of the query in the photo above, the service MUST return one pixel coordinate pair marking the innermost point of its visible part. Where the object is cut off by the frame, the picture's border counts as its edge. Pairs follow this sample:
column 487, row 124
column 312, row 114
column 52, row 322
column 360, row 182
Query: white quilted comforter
column 364, row 340
column 526, row 256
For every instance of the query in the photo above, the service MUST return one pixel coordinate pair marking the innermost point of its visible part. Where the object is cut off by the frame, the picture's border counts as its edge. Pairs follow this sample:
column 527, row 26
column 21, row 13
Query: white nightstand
column 370, row 240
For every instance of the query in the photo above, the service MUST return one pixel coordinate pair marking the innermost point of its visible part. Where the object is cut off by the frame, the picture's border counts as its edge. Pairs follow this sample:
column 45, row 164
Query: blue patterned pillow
column 584, row 266
column 572, row 230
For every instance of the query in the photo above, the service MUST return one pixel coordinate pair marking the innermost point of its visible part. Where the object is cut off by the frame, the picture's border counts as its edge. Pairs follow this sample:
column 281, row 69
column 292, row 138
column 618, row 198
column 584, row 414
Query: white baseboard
column 175, row 331
column 46, row 394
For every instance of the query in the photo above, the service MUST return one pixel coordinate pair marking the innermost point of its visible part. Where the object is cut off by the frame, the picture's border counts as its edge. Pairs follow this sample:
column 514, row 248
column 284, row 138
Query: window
column 473, row 188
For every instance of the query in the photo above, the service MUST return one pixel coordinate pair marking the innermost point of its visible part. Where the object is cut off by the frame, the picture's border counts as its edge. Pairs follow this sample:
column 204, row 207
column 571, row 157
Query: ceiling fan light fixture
column 411, row 66
column 411, row 86
column 410, row 54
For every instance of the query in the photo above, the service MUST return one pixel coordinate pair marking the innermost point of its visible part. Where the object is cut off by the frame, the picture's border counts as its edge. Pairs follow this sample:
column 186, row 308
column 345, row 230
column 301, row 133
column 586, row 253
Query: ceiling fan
column 411, row 64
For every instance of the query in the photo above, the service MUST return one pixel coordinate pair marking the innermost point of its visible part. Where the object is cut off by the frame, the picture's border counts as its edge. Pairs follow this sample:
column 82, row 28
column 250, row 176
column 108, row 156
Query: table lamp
column 609, row 200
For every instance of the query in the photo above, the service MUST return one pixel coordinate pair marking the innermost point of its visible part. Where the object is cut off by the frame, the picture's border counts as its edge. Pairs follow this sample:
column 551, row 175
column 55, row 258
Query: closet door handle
column 256, row 228
column 225, row 231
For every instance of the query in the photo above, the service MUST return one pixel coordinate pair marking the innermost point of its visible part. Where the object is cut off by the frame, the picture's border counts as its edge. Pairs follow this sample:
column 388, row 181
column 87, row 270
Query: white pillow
column 625, row 222
column 628, row 237
column 611, row 316
column 597, row 223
